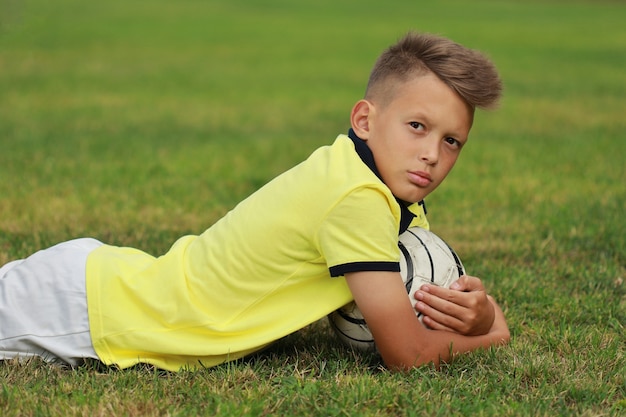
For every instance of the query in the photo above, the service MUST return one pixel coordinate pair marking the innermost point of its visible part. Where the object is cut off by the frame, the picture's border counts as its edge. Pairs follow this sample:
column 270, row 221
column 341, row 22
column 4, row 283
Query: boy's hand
column 465, row 308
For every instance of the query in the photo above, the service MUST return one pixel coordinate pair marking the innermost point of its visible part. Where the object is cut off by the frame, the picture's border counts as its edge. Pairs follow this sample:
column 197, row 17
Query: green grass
column 136, row 122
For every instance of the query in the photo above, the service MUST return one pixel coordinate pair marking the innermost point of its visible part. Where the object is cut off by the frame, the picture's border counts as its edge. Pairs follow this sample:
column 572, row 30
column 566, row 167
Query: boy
column 309, row 241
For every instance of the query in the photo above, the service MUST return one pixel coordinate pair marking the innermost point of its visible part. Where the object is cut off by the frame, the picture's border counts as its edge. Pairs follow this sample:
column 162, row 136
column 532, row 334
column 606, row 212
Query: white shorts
column 43, row 305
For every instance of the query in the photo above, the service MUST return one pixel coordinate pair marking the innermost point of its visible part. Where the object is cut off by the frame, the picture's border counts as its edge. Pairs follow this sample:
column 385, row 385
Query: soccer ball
column 424, row 258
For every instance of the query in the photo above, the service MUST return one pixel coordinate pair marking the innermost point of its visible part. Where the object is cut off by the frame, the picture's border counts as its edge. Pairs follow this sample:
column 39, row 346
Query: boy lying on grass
column 316, row 237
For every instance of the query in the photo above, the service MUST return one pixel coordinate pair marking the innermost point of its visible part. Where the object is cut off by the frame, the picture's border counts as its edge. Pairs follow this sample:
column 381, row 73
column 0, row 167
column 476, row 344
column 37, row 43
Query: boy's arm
column 465, row 308
column 401, row 339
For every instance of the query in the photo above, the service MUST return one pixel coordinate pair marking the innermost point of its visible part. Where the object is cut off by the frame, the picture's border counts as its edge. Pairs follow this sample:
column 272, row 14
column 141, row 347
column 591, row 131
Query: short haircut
column 466, row 71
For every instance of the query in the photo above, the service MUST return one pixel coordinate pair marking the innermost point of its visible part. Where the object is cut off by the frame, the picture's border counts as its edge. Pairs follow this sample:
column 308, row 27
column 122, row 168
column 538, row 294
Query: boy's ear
column 360, row 118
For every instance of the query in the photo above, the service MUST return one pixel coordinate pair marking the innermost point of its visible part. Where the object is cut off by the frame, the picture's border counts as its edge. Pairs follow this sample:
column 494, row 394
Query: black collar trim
column 366, row 155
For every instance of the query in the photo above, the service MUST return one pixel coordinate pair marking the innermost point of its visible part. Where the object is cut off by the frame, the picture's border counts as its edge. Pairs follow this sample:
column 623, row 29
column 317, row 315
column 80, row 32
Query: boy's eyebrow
column 419, row 116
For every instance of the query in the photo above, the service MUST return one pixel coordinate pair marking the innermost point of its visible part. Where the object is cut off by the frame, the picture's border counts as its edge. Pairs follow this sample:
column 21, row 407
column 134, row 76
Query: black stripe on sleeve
column 339, row 270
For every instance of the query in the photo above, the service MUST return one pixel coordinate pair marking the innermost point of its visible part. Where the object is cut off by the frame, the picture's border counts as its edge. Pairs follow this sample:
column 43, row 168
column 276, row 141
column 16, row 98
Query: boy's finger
column 435, row 325
column 433, row 292
column 435, row 305
column 467, row 283
column 437, row 320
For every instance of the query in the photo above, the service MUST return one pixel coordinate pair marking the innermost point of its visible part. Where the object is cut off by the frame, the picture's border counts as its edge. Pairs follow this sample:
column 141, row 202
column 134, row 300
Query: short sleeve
column 360, row 233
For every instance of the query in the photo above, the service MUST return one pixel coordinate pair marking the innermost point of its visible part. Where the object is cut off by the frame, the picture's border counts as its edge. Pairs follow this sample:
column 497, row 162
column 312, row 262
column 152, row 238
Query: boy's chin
column 411, row 200
column 414, row 198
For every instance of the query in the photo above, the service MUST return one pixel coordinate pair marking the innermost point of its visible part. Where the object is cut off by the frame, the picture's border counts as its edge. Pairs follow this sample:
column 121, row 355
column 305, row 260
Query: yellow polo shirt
column 261, row 272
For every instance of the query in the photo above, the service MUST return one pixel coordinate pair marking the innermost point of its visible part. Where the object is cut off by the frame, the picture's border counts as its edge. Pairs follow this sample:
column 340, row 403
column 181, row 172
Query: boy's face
column 416, row 138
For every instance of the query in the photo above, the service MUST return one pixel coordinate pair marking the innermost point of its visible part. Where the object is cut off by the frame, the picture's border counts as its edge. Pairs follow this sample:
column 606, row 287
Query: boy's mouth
column 420, row 178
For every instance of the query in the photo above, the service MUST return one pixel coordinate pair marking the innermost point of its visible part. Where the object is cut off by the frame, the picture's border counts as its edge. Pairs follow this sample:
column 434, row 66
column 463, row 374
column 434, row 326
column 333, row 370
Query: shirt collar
column 366, row 155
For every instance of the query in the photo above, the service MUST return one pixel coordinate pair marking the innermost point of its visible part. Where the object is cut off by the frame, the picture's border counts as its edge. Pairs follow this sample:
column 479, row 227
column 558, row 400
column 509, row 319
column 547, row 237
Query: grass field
column 136, row 122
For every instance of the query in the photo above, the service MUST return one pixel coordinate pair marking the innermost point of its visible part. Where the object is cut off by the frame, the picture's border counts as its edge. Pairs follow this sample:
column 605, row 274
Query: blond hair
column 466, row 71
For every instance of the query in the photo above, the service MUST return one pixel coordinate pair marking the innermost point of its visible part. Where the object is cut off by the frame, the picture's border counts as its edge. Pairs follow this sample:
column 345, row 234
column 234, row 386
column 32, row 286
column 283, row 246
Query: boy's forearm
column 444, row 345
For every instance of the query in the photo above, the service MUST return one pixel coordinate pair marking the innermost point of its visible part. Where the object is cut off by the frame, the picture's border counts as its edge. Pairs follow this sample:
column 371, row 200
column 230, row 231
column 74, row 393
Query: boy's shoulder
column 333, row 177
column 340, row 160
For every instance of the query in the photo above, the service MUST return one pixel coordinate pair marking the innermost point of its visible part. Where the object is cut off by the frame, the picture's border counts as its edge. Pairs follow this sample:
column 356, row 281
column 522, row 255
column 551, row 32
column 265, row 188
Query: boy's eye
column 416, row 125
column 453, row 142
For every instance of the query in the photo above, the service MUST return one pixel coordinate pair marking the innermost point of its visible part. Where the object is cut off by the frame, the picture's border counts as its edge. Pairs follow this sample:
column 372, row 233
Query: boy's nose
column 430, row 152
